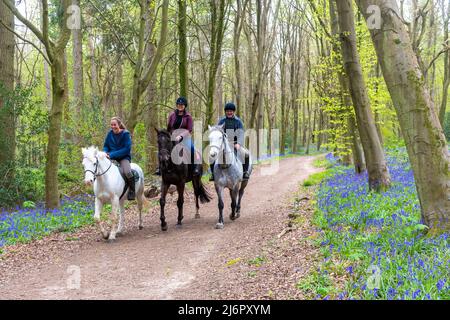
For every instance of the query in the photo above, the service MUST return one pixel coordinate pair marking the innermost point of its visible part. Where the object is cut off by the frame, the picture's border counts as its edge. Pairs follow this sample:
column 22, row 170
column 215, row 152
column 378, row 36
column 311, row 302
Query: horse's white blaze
column 108, row 185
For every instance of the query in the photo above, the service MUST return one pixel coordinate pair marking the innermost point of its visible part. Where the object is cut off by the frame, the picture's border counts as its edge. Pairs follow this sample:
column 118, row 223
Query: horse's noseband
column 96, row 168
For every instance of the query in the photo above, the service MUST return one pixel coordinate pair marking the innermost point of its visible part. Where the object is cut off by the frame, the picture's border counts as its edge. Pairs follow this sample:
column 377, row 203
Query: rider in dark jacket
column 117, row 147
column 235, row 126
column 180, row 120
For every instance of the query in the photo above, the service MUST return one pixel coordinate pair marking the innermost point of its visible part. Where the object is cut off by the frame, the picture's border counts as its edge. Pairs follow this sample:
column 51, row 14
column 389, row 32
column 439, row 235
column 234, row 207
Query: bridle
column 96, row 168
column 224, row 140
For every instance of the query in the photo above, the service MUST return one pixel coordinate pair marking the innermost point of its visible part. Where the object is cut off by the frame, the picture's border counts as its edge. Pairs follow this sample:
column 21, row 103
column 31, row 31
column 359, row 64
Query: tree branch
column 27, row 41
column 159, row 51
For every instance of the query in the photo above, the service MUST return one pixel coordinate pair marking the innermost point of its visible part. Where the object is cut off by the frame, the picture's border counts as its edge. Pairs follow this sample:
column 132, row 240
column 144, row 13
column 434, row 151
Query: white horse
column 108, row 188
column 228, row 172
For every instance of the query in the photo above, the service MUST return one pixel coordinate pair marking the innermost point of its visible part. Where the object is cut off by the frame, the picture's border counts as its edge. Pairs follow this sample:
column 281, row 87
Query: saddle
column 135, row 176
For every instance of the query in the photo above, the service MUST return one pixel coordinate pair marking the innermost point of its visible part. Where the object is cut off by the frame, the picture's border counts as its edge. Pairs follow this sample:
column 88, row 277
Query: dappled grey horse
column 227, row 171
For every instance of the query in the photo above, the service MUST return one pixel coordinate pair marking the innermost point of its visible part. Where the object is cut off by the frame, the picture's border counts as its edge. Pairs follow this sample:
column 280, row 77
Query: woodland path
column 182, row 263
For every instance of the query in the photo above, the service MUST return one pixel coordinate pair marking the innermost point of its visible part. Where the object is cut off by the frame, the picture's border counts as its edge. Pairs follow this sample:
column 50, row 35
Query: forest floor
column 261, row 255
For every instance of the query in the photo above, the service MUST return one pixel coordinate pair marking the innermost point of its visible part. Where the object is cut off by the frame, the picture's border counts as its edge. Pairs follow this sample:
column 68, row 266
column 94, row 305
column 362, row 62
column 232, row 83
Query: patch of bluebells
column 22, row 225
column 383, row 231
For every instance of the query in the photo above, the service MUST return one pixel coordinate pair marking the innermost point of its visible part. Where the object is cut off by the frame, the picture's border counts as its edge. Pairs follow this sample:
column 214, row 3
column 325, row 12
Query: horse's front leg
column 121, row 217
column 162, row 203
column 219, row 190
column 233, row 195
column 116, row 210
column 97, row 218
column 180, row 190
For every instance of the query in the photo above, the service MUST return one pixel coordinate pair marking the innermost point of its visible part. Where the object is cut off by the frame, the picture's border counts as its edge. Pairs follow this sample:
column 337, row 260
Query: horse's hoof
column 179, row 225
column 219, row 225
column 197, row 216
column 238, row 214
column 141, row 227
column 105, row 235
column 119, row 233
column 111, row 240
column 164, row 228
column 232, row 217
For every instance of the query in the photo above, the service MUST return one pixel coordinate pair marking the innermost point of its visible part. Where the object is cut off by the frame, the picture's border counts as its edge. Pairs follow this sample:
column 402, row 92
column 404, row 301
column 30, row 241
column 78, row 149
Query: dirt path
column 151, row 264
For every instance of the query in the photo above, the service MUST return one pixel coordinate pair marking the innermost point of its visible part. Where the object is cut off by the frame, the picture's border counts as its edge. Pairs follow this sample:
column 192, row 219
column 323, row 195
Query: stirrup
column 211, row 178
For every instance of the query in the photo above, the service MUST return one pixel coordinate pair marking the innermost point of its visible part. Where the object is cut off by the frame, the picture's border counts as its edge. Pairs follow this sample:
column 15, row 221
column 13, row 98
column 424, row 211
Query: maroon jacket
column 186, row 123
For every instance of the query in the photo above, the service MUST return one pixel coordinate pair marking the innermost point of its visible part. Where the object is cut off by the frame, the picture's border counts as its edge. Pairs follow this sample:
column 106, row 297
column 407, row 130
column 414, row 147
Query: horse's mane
column 164, row 132
column 217, row 128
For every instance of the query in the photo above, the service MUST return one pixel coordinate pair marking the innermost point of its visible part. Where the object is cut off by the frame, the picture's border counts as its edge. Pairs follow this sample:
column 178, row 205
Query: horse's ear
column 222, row 126
column 209, row 127
column 83, row 151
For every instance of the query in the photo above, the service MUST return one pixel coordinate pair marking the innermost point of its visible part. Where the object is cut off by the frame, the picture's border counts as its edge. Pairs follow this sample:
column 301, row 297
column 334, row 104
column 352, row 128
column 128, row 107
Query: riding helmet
column 182, row 100
column 230, row 106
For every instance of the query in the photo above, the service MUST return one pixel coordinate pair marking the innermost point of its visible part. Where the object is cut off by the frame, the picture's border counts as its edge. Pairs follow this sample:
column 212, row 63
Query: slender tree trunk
column 7, row 117
column 424, row 138
column 77, row 52
column 379, row 178
column 218, row 12
column 239, row 21
column 283, row 96
column 54, row 134
column 182, row 48
column 93, row 70
column 120, row 93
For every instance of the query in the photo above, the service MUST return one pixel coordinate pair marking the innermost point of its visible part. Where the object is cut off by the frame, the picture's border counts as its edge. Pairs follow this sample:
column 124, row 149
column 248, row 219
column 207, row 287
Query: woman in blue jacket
column 118, row 147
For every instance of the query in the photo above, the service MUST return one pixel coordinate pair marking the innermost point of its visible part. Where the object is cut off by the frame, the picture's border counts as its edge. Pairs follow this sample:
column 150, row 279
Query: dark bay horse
column 178, row 175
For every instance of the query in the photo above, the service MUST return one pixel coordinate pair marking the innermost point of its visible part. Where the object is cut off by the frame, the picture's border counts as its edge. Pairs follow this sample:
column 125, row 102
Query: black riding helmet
column 182, row 100
column 230, row 106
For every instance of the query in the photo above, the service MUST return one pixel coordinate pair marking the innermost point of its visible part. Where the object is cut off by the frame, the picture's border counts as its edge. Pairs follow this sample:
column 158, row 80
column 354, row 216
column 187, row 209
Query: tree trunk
column 7, row 118
column 78, row 85
column 379, row 178
column 218, row 12
column 120, row 93
column 283, row 94
column 182, row 67
column 93, row 70
column 424, row 138
column 54, row 134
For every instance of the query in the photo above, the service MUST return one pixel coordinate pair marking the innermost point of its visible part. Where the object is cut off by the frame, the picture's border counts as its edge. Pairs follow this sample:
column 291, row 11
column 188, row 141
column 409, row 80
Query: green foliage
column 315, row 178
column 447, row 126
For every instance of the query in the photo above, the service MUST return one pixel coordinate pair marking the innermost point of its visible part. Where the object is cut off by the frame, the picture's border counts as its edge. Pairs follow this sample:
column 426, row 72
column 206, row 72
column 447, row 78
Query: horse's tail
column 201, row 192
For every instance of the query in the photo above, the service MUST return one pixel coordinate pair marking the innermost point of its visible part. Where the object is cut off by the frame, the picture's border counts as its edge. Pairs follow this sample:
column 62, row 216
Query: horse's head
column 216, row 138
column 90, row 164
column 165, row 145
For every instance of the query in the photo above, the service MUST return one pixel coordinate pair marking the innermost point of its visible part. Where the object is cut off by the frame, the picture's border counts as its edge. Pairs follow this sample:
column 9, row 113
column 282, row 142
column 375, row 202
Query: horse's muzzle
column 88, row 182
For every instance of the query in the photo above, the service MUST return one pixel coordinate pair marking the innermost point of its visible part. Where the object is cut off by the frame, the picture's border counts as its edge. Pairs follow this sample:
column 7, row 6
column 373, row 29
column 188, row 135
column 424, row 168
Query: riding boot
column 131, row 187
column 211, row 178
column 157, row 171
column 245, row 166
